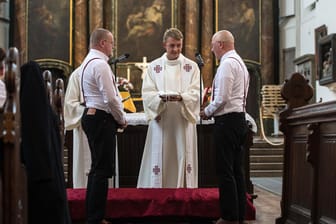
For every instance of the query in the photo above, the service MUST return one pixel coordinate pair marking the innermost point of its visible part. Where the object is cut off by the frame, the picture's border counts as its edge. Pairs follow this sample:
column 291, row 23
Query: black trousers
column 230, row 134
column 100, row 130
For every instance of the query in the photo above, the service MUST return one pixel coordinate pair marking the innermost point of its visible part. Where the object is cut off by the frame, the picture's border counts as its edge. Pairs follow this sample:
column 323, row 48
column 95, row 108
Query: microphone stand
column 200, row 65
column 115, row 71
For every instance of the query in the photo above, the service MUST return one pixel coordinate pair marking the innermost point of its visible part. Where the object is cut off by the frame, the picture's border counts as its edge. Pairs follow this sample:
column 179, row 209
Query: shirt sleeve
column 223, row 85
column 109, row 90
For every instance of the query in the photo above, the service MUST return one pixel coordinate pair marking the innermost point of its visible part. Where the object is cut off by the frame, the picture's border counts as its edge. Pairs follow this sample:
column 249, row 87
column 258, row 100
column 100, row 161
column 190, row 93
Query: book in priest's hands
column 170, row 96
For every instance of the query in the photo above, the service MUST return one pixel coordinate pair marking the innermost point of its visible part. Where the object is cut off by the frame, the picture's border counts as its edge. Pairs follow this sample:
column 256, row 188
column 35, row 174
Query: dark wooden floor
column 267, row 207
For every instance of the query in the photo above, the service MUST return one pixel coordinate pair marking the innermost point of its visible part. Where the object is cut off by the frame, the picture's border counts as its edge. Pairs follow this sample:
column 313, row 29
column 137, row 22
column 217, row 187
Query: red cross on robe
column 156, row 169
column 187, row 67
column 157, row 68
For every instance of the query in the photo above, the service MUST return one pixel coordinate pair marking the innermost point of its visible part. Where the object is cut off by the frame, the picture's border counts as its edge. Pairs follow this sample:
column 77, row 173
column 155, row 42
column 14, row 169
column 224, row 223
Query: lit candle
column 128, row 73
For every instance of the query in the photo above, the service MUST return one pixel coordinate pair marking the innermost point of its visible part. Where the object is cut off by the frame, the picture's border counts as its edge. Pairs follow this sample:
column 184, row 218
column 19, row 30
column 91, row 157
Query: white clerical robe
column 73, row 112
column 170, row 154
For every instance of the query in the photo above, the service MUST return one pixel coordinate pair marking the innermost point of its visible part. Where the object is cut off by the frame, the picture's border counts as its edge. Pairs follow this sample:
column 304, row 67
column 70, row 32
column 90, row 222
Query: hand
column 175, row 98
column 171, row 98
column 158, row 118
column 203, row 115
column 123, row 126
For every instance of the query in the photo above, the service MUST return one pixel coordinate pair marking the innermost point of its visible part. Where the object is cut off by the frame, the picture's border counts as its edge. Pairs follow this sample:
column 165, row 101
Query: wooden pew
column 13, row 185
column 309, row 183
column 55, row 93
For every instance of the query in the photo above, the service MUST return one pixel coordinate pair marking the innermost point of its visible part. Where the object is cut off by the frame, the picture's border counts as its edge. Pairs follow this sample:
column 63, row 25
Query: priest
column 73, row 111
column 171, row 93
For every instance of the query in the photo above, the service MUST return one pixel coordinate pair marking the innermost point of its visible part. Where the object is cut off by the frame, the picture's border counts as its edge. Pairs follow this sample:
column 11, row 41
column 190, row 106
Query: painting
column 139, row 26
column 305, row 65
column 242, row 18
column 320, row 32
column 326, row 60
column 49, row 30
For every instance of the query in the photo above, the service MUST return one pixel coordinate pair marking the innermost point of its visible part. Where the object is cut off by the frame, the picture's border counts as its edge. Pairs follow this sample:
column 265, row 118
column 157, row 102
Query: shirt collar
column 227, row 54
column 99, row 54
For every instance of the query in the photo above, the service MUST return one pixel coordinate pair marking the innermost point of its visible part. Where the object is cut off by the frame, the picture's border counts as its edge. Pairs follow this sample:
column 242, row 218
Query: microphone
column 199, row 59
column 119, row 59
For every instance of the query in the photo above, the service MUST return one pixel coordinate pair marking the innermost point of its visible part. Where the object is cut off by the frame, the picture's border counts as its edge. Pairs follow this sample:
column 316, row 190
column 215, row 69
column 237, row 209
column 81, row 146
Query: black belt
column 229, row 116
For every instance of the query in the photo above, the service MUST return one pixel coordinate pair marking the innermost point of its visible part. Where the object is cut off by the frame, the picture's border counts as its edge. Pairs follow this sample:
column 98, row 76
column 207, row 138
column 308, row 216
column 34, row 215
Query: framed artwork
column 326, row 60
column 49, row 30
column 306, row 66
column 139, row 26
column 243, row 19
column 320, row 32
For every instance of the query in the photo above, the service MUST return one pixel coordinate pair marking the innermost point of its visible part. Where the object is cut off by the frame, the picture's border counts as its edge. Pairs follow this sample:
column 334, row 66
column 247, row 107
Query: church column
column 267, row 45
column 207, row 32
column 80, row 43
column 95, row 14
column 19, row 30
column 108, row 14
column 191, row 28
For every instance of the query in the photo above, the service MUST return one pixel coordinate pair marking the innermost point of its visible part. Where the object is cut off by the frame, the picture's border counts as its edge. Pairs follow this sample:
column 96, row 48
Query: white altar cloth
column 140, row 119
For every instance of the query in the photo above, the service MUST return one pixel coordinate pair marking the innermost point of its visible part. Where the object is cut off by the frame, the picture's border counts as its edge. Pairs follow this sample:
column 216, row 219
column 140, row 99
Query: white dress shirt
column 100, row 90
column 230, row 86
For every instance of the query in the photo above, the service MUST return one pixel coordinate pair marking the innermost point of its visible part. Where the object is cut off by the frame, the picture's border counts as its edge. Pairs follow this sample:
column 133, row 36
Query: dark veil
column 41, row 151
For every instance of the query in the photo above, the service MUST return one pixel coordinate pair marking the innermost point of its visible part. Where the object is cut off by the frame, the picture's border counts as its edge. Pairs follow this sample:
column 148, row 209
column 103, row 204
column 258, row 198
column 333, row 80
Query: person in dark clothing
column 41, row 151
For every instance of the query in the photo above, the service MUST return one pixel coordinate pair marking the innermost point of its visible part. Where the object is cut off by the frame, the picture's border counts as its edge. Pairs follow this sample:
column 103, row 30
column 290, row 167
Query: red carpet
column 132, row 203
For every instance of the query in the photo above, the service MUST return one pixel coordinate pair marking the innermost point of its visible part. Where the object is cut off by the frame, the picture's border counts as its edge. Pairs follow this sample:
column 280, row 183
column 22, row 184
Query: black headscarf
column 41, row 151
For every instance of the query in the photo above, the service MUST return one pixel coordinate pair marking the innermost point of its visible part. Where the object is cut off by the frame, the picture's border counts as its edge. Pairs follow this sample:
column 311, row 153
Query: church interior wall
column 4, row 24
column 252, row 23
column 304, row 19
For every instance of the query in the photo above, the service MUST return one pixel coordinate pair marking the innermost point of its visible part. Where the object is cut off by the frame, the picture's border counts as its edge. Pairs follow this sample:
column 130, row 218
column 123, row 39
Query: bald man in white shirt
column 227, row 106
column 103, row 114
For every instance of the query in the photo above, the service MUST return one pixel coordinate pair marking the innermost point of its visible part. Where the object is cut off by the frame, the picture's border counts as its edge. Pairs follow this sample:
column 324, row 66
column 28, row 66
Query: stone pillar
column 191, row 34
column 20, row 34
column 95, row 14
column 108, row 15
column 267, row 43
column 80, row 43
column 206, row 35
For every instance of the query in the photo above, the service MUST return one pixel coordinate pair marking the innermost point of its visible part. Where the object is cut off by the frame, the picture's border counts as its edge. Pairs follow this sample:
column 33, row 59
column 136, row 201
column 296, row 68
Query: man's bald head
column 224, row 36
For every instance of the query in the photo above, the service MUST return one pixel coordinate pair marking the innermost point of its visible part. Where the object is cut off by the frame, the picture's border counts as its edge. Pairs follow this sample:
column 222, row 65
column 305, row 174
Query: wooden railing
column 13, row 181
column 309, row 179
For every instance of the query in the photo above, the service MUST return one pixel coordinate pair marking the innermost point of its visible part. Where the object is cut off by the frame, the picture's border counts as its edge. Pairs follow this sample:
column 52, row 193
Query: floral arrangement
column 124, row 84
column 206, row 96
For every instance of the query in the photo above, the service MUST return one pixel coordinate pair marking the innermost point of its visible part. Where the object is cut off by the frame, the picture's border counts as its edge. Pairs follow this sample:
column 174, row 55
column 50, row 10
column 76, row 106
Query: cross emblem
column 143, row 66
column 189, row 168
column 187, row 67
column 156, row 169
column 158, row 69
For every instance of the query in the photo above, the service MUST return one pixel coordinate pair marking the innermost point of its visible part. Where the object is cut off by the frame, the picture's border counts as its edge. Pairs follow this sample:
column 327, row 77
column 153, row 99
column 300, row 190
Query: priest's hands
column 166, row 98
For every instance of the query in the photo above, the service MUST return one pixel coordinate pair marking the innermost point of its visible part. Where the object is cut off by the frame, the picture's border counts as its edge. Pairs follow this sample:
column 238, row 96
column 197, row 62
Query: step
column 266, row 151
column 259, row 142
column 266, row 158
column 266, row 166
column 266, row 173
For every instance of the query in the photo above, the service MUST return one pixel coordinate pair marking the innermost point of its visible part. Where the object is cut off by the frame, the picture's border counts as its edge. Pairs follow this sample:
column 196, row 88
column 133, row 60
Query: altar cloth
column 140, row 119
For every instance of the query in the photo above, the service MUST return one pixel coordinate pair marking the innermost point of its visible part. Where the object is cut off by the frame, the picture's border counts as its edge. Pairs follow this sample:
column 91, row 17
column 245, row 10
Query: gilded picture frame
column 320, row 32
column 139, row 26
column 326, row 59
column 49, row 31
column 243, row 19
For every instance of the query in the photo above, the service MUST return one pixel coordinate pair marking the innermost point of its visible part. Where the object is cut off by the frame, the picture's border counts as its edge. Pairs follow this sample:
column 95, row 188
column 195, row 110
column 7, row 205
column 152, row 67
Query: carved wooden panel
column 310, row 164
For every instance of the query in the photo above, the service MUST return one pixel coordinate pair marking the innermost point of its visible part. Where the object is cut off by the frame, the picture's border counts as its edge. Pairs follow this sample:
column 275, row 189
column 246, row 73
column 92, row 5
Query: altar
column 131, row 143
column 128, row 203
